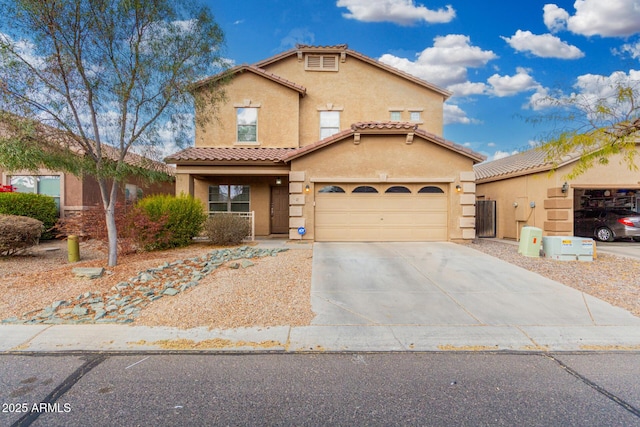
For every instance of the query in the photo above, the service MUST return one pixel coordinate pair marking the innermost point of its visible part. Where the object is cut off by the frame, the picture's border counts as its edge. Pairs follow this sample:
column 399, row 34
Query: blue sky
column 499, row 58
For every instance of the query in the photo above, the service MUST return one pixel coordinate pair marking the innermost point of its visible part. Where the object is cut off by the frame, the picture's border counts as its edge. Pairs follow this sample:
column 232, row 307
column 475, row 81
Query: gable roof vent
column 321, row 62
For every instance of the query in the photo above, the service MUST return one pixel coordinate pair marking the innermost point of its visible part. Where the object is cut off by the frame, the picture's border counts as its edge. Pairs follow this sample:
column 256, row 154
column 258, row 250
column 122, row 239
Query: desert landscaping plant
column 36, row 206
column 184, row 218
column 18, row 233
column 226, row 229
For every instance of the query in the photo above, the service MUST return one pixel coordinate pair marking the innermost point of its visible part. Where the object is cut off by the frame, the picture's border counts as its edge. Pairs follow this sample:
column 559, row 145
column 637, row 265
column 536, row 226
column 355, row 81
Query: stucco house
column 524, row 190
column 324, row 143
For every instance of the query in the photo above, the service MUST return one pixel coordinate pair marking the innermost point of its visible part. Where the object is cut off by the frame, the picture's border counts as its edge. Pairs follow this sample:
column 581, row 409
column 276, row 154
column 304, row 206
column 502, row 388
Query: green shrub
column 184, row 218
column 18, row 233
column 225, row 229
column 36, row 206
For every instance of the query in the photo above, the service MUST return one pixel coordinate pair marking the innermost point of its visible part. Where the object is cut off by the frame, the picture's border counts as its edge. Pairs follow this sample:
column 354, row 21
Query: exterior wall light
column 458, row 188
column 565, row 187
column 278, row 181
column 306, row 188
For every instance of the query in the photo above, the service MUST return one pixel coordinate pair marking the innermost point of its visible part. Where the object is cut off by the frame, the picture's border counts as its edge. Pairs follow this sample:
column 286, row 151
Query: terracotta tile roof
column 256, row 70
column 383, row 127
column 211, row 154
column 312, row 47
column 527, row 162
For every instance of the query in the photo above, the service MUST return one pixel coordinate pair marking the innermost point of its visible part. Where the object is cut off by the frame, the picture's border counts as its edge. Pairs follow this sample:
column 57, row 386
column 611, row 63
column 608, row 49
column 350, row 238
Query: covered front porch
column 262, row 192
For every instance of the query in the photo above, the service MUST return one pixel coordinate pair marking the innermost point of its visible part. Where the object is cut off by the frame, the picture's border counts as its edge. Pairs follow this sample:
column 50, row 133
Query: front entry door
column 279, row 210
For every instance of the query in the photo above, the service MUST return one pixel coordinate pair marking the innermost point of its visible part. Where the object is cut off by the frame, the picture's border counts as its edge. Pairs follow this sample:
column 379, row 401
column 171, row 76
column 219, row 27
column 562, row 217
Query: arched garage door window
column 331, row 189
column 398, row 189
column 430, row 190
column 364, row 189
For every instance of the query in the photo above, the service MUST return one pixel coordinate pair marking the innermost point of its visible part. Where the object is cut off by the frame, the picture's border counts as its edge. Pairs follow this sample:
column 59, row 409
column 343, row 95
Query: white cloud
column 544, row 46
column 610, row 18
column 445, row 63
column 402, row 12
column 468, row 89
column 491, row 144
column 631, row 49
column 511, row 85
column 555, row 18
column 455, row 114
column 590, row 88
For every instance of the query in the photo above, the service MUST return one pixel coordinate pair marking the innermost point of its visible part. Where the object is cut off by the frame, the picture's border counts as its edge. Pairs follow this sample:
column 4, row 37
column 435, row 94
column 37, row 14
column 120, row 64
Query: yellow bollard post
column 73, row 248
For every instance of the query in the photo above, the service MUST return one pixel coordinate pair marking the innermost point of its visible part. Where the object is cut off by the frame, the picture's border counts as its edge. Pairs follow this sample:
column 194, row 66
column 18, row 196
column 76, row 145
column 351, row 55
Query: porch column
column 184, row 184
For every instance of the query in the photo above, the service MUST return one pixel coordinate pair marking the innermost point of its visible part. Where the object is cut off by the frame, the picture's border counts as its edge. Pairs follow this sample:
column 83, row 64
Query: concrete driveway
column 451, row 289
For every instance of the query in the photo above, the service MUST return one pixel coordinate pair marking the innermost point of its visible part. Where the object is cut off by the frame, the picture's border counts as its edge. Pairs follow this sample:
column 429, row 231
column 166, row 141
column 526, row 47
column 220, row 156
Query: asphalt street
column 447, row 388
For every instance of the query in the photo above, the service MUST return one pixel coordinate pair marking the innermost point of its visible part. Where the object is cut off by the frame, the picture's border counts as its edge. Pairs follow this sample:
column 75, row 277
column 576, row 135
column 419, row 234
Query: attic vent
column 321, row 63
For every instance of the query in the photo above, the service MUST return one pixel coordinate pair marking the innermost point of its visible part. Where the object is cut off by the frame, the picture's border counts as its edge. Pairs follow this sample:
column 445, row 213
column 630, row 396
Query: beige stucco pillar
column 468, row 205
column 558, row 208
column 297, row 200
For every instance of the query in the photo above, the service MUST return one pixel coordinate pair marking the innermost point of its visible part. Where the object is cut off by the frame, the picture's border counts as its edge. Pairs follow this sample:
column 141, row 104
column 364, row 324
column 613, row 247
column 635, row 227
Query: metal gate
column 485, row 218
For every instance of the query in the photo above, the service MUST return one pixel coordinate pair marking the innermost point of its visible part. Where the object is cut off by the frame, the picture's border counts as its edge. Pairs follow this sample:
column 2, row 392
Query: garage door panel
column 381, row 216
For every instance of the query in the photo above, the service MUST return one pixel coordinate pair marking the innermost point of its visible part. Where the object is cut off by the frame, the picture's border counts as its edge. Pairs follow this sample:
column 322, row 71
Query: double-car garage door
column 381, row 212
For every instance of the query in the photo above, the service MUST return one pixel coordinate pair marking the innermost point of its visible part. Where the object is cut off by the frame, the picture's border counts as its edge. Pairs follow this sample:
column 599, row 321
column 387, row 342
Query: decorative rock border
column 128, row 298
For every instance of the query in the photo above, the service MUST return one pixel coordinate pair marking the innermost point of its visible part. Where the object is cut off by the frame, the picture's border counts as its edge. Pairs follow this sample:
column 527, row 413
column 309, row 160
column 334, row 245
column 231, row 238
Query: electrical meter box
column 568, row 248
column 530, row 241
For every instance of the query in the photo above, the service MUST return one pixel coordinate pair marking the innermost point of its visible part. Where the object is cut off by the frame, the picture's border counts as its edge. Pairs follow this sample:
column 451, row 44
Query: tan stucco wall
column 384, row 159
column 277, row 113
column 363, row 92
column 551, row 205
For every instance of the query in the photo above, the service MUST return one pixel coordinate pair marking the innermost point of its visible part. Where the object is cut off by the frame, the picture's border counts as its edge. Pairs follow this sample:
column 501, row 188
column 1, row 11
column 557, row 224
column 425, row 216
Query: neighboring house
column 525, row 192
column 73, row 194
column 329, row 140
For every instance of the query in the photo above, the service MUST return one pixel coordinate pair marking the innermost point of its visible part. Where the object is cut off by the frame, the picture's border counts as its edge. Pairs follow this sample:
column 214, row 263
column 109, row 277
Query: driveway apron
column 443, row 284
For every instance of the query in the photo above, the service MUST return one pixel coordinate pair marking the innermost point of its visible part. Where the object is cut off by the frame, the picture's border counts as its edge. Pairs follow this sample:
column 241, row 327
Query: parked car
column 607, row 224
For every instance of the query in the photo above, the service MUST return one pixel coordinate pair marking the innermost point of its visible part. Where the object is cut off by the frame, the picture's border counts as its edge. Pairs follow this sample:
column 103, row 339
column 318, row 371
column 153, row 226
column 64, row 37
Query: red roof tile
column 229, row 154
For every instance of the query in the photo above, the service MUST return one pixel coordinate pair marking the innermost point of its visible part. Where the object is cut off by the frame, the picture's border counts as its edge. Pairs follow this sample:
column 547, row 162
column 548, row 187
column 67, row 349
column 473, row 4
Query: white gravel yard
column 611, row 278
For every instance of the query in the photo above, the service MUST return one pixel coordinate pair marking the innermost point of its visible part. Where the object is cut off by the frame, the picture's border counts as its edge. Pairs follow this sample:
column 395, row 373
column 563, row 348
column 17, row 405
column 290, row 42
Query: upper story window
column 321, row 62
column 247, row 124
column 329, row 123
column 395, row 116
column 415, row 116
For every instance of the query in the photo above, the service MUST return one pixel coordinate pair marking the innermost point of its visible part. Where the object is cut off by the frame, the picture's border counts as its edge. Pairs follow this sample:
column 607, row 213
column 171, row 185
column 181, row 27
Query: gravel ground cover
column 611, row 278
column 274, row 291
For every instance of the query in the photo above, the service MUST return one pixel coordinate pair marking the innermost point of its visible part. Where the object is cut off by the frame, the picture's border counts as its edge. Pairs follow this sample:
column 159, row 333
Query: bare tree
column 105, row 77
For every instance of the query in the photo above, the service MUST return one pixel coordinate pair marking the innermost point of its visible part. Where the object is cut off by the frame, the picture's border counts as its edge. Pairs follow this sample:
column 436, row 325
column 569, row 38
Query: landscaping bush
column 223, row 229
column 136, row 231
column 18, row 233
column 36, row 206
column 184, row 218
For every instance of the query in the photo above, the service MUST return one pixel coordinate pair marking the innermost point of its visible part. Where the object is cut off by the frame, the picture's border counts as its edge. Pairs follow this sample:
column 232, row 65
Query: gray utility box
column 568, row 248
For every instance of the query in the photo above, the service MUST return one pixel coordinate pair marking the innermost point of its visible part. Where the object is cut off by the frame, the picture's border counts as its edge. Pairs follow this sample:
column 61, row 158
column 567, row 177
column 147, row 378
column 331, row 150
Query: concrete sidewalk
column 388, row 297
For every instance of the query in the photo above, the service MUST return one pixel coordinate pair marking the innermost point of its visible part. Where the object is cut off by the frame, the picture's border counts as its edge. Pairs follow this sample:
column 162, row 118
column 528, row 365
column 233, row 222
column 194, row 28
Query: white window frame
column 230, row 201
column 238, row 124
column 327, row 131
